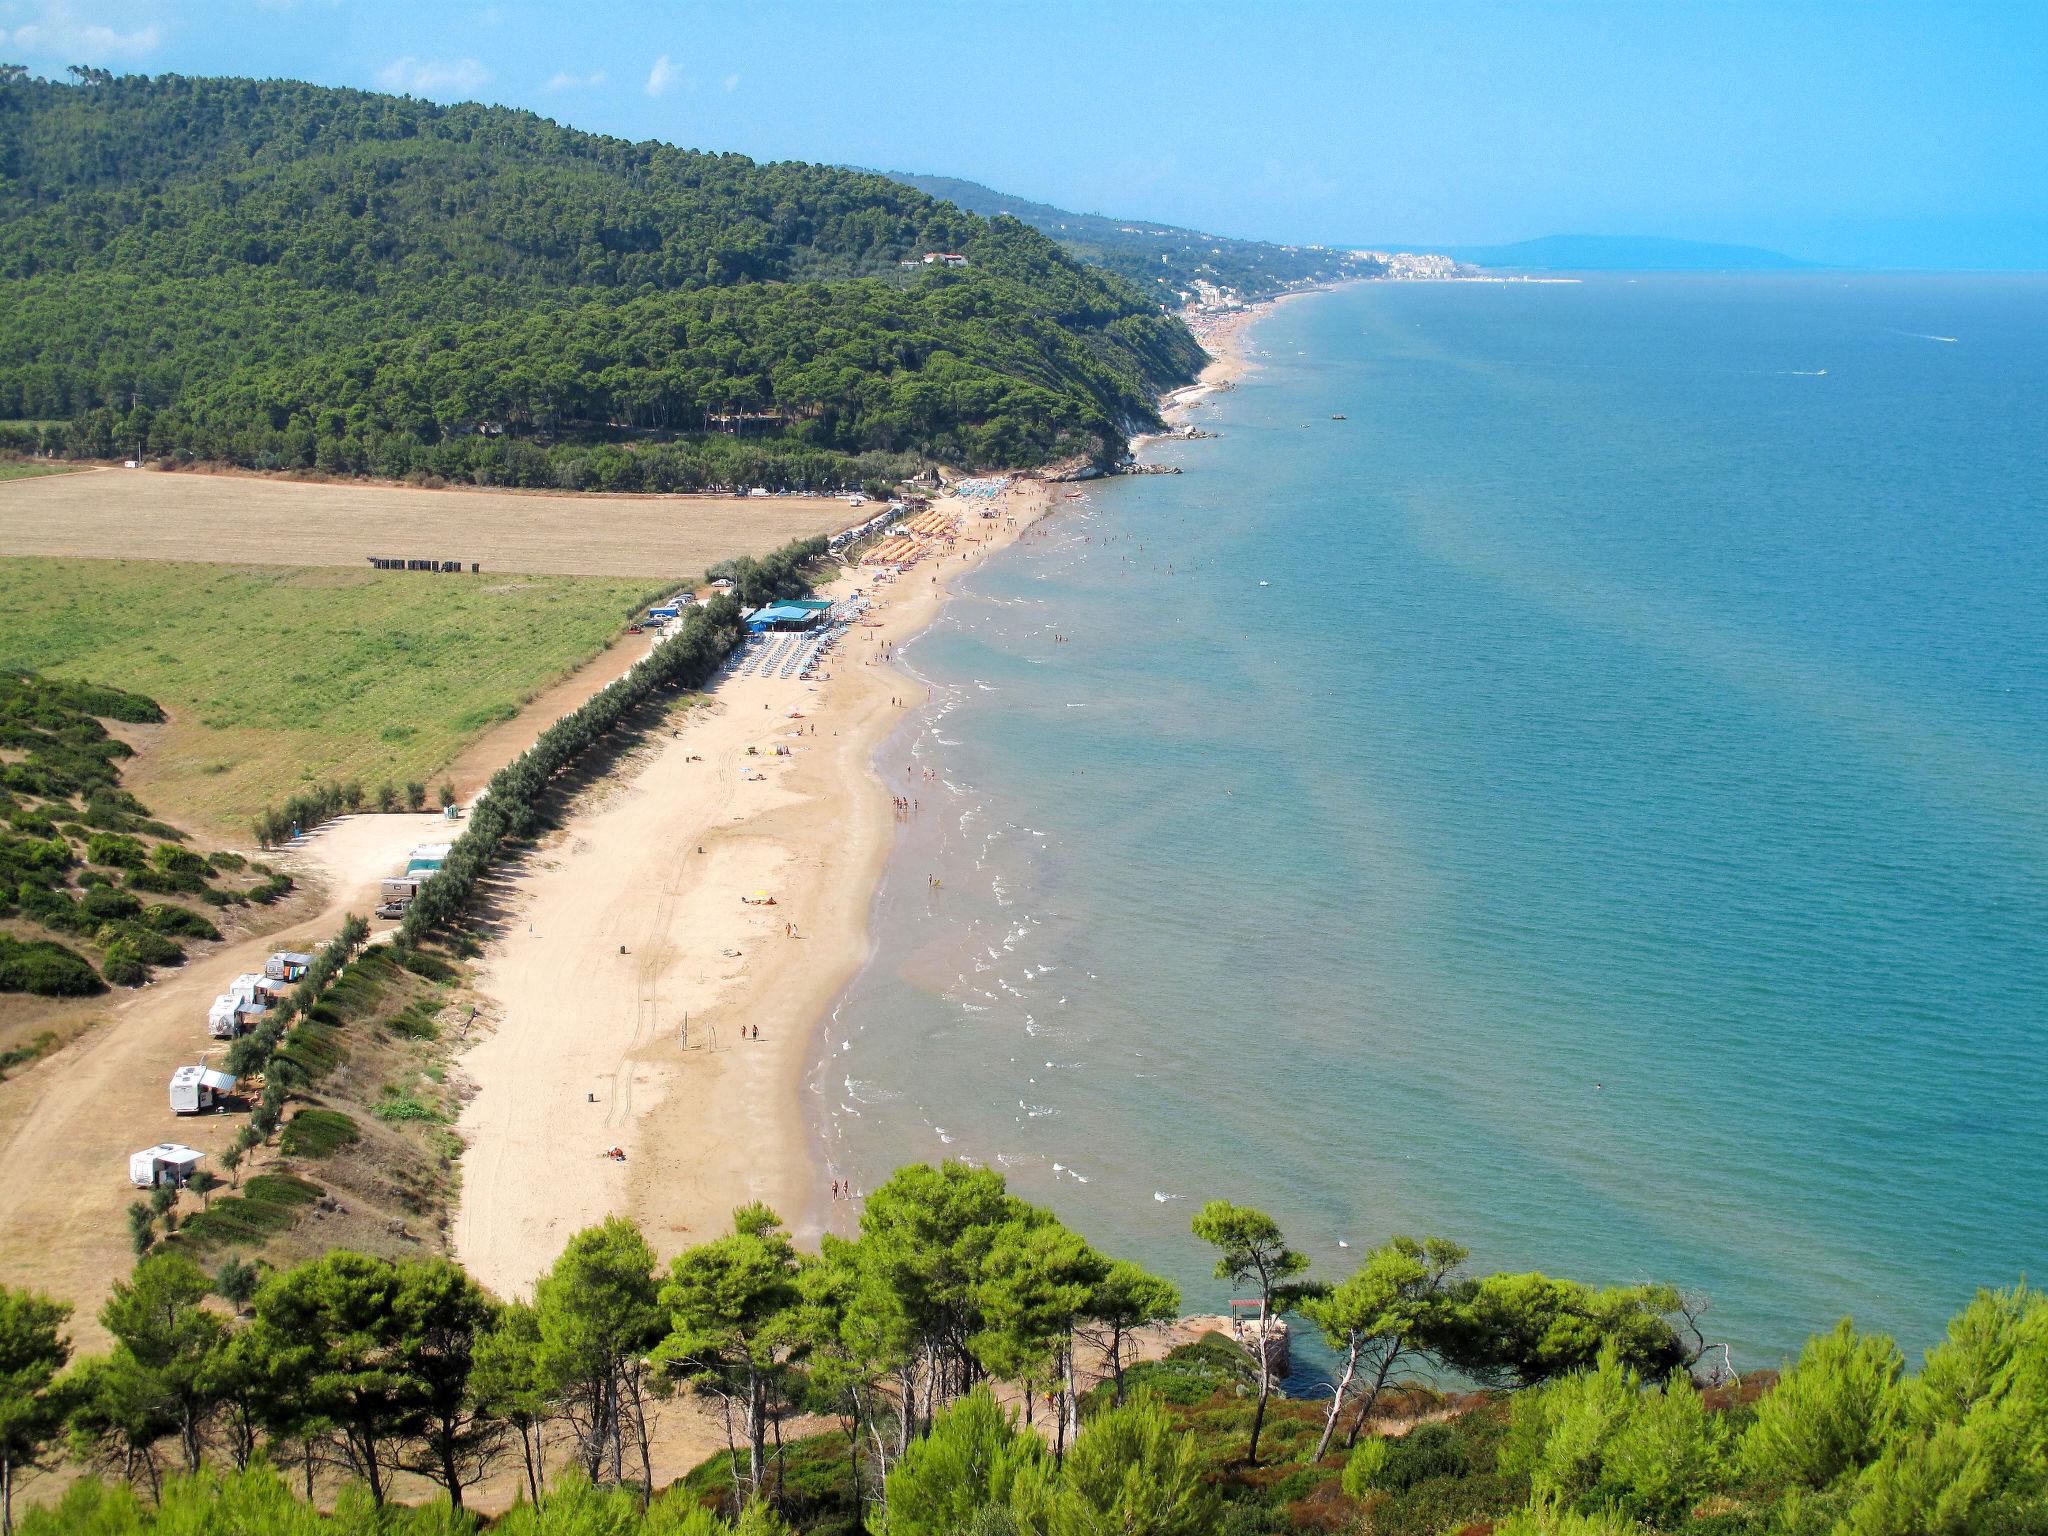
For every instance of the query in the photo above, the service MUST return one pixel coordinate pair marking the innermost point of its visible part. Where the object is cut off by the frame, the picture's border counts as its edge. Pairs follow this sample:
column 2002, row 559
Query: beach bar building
column 165, row 1163
column 794, row 615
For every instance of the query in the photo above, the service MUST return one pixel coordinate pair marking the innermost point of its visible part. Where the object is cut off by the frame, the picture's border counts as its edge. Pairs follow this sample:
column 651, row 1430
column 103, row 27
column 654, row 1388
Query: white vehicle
column 194, row 1090
column 166, row 1163
column 287, row 965
column 224, row 1018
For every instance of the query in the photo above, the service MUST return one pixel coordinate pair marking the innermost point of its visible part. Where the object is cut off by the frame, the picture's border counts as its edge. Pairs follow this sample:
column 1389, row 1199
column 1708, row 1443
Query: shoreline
column 626, row 963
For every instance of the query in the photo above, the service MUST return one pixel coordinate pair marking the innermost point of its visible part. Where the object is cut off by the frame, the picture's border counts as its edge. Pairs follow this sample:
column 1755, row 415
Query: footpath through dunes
column 245, row 519
column 626, row 963
column 68, row 1125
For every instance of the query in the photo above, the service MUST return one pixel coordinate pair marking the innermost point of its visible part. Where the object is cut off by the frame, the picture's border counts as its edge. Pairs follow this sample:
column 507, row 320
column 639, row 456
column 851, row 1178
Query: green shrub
column 403, row 1108
column 123, row 966
column 418, row 1019
column 162, row 917
column 114, row 850
column 1831, row 1413
column 105, row 902
column 267, row 891
column 169, row 859
column 268, row 1203
column 45, row 969
column 318, row 1133
column 227, row 863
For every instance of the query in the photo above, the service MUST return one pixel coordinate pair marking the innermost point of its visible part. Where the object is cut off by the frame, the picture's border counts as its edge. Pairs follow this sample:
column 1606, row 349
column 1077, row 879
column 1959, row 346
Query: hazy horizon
column 1870, row 135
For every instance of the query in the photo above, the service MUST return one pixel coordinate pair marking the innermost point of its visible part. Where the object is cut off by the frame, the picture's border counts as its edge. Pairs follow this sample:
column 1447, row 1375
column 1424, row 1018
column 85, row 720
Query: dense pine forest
column 282, row 275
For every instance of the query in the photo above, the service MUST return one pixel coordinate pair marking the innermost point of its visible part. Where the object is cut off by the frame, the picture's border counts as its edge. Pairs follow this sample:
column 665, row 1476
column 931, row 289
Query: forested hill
column 281, row 274
column 1162, row 260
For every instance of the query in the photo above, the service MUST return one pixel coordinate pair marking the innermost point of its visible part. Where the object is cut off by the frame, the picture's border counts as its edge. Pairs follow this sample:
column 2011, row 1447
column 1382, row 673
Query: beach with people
column 662, row 959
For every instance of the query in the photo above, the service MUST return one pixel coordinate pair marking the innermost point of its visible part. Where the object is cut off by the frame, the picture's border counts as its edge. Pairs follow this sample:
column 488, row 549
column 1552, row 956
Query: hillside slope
column 275, row 273
column 1164, row 261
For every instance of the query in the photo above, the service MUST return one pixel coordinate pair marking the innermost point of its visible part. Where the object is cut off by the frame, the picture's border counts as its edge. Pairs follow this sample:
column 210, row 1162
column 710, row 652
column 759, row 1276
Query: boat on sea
column 1340, row 418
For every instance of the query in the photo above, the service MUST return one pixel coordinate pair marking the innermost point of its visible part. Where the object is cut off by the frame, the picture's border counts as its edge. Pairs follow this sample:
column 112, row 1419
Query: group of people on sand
column 842, row 1189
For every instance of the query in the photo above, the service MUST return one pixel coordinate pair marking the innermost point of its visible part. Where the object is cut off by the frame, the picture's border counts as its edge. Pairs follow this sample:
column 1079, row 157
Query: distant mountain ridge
column 1167, row 261
column 1627, row 253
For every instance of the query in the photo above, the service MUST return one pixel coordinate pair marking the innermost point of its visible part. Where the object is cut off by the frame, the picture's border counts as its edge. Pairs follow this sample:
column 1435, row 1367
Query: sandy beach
column 638, row 1003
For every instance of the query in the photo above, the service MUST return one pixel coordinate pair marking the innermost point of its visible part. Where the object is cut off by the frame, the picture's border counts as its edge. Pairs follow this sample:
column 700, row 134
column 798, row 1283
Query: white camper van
column 223, row 1019
column 195, row 1090
column 165, row 1163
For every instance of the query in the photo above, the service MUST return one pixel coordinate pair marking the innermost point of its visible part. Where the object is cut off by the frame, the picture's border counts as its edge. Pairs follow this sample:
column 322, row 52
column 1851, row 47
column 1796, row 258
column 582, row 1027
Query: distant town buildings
column 1413, row 264
column 944, row 258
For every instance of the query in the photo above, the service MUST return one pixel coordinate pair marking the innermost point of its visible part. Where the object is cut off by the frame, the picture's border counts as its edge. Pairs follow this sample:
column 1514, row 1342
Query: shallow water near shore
column 1615, row 839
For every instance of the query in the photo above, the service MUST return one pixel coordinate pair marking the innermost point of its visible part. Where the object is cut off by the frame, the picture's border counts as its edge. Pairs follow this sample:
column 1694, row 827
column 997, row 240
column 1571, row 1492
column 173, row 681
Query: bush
column 170, row 859
column 318, row 1133
column 387, row 796
column 405, row 1108
column 275, row 888
column 1831, row 1413
column 105, row 902
column 123, row 966
column 1426, row 1451
column 415, row 795
column 45, row 969
column 162, row 917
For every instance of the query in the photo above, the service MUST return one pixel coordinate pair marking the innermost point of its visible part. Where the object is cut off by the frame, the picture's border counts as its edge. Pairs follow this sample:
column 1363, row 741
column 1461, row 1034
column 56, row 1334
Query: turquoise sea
column 1617, row 838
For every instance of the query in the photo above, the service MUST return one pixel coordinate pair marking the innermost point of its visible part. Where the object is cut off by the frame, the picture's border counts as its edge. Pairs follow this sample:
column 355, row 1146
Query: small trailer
column 166, row 1163
column 399, row 888
column 195, row 1090
column 287, row 965
column 224, row 1018
column 247, row 987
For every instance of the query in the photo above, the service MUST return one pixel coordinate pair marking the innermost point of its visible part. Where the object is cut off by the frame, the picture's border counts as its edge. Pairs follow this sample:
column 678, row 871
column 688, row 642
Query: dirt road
column 70, row 1124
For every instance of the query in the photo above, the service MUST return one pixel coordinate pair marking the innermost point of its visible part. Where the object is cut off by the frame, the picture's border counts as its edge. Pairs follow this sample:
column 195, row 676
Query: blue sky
column 1870, row 133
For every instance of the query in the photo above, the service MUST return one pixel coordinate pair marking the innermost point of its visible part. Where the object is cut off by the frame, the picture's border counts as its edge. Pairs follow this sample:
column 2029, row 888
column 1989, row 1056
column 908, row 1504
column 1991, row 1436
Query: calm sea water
column 1615, row 838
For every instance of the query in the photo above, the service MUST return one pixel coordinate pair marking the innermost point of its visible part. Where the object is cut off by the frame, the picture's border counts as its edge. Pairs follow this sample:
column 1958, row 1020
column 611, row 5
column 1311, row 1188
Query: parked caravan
column 287, row 965
column 400, row 888
column 224, row 1018
column 166, row 1163
column 194, row 1090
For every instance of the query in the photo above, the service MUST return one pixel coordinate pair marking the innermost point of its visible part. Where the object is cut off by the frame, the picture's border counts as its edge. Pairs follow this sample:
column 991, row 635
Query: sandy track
column 250, row 520
column 70, row 1123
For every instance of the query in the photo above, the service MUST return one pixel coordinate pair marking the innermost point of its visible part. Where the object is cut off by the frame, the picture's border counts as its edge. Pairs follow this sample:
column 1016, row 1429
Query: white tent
column 165, row 1163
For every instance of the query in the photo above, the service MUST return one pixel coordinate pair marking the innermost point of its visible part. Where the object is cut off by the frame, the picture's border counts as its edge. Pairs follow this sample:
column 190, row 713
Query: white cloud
column 429, row 77
column 568, row 82
column 661, row 77
column 731, row 83
column 57, row 32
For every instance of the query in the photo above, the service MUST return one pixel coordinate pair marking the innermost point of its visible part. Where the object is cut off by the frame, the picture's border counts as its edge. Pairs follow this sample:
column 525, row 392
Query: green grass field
column 22, row 469
column 275, row 678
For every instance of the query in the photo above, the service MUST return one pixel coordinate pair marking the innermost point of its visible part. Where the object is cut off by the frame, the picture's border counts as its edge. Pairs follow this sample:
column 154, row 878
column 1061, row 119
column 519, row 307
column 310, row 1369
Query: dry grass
column 278, row 678
column 250, row 520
